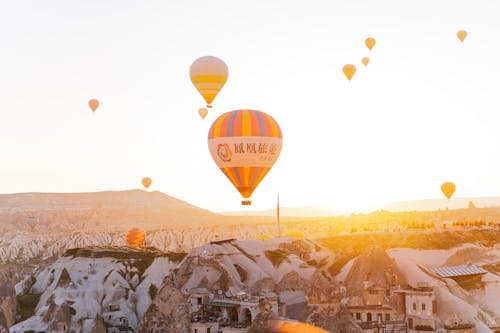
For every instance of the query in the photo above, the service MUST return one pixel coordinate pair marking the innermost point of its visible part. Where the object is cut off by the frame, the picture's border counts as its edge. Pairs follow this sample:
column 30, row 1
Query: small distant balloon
column 462, row 34
column 265, row 237
column 349, row 71
column 93, row 104
column 146, row 182
column 203, row 112
column 295, row 234
column 135, row 237
column 370, row 43
column 448, row 188
column 365, row 61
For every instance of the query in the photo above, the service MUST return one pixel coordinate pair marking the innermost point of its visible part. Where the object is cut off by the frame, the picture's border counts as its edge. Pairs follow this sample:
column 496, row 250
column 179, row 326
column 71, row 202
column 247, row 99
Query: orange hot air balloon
column 146, row 182
column 245, row 144
column 93, row 104
column 285, row 326
column 448, row 188
column 462, row 34
column 203, row 112
column 370, row 43
column 135, row 237
column 208, row 74
column 349, row 71
column 365, row 61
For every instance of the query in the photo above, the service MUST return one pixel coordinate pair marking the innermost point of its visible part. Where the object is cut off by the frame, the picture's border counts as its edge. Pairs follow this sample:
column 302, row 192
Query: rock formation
column 375, row 267
column 264, row 320
column 169, row 312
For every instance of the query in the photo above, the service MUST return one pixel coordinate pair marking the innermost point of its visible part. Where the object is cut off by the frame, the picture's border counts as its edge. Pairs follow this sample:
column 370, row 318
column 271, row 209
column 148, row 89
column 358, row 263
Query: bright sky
column 424, row 111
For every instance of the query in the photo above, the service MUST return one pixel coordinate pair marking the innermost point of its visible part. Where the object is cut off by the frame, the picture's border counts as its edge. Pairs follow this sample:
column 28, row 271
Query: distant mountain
column 440, row 204
column 288, row 211
column 38, row 226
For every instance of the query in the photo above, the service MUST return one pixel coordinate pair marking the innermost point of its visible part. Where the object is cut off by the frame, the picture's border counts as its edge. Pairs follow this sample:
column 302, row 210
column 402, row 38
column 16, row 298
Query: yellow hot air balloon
column 245, row 144
column 349, row 71
column 208, row 74
column 93, row 104
column 135, row 237
column 365, row 61
column 462, row 34
column 370, row 43
column 265, row 237
column 146, row 182
column 448, row 188
column 294, row 234
column 203, row 112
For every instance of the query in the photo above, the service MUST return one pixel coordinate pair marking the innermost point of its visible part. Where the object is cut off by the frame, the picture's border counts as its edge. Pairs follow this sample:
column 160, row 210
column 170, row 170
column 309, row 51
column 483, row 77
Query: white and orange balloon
column 245, row 144
column 208, row 75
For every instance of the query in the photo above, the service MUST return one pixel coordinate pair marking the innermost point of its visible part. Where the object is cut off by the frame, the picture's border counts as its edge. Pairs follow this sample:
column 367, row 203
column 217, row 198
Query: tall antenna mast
column 278, row 215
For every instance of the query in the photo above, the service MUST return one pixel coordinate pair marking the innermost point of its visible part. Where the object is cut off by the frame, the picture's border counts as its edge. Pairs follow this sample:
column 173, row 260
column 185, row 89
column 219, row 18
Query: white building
column 208, row 327
column 420, row 307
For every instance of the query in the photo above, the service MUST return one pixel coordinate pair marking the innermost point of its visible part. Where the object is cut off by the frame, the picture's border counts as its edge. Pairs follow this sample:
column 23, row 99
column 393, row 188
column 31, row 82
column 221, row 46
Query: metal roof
column 222, row 304
column 460, row 270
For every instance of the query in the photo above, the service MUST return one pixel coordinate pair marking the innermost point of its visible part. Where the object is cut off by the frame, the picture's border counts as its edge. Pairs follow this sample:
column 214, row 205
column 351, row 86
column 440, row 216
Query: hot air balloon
column 349, row 71
column 208, row 74
column 462, row 34
column 294, row 234
column 286, row 326
column 370, row 43
column 146, row 182
column 264, row 237
column 135, row 237
column 245, row 144
column 365, row 61
column 93, row 104
column 203, row 112
column 448, row 188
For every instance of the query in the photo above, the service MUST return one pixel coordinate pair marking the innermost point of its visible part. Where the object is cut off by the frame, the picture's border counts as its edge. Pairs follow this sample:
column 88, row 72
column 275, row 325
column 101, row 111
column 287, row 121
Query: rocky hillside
column 87, row 284
column 256, row 266
column 39, row 226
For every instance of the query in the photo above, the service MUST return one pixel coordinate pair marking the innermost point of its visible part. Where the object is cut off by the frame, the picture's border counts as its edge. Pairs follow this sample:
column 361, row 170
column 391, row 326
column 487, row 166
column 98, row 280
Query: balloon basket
column 209, row 106
column 246, row 202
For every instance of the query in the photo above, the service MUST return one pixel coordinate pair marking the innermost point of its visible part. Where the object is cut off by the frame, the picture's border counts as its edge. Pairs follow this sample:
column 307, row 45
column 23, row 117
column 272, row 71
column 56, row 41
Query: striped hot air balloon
column 135, row 237
column 245, row 144
column 208, row 74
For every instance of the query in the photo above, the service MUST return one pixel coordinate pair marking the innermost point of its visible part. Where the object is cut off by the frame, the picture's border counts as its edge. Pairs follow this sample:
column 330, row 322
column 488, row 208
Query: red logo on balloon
column 224, row 152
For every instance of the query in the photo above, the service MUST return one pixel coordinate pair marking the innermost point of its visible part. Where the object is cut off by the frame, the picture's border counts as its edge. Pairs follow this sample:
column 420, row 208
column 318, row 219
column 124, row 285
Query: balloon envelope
column 365, row 61
column 265, row 237
column 294, row 234
column 462, row 34
column 370, row 42
column 93, row 104
column 349, row 71
column 135, row 237
column 146, row 182
column 286, row 326
column 203, row 112
column 208, row 74
column 448, row 188
column 245, row 144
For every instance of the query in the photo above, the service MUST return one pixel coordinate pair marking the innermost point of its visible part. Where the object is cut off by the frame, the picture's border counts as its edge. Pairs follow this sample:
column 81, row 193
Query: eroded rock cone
column 265, row 319
column 169, row 312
